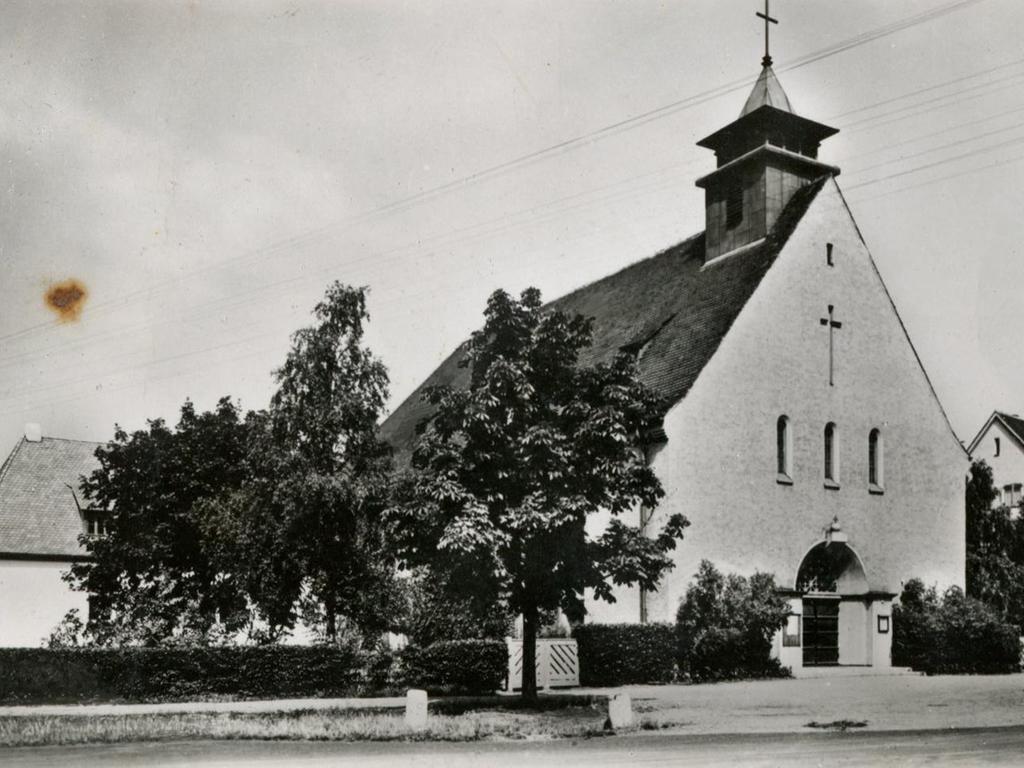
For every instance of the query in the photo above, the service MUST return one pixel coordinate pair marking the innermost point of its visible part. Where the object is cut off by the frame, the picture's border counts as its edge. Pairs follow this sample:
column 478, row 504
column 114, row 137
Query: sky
column 192, row 175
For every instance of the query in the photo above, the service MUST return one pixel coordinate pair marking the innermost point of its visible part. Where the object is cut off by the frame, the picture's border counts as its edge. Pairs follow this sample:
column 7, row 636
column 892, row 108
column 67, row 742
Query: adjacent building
column 41, row 519
column 1000, row 444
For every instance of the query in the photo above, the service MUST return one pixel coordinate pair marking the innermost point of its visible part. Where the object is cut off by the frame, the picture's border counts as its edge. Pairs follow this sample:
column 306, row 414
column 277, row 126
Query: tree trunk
column 332, row 624
column 530, row 619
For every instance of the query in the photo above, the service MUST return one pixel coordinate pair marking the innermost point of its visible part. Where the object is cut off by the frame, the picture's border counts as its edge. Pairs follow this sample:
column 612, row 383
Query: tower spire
column 763, row 158
column 767, row 60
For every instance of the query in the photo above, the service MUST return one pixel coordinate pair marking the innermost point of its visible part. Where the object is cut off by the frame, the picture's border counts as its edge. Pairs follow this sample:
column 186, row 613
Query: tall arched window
column 783, row 448
column 875, row 467
column 831, row 454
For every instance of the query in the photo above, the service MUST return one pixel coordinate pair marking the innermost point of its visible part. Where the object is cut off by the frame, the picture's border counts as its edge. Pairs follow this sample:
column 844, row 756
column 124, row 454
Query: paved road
column 990, row 747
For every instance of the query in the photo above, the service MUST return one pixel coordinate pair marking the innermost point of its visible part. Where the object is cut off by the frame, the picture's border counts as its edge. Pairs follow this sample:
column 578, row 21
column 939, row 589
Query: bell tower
column 763, row 158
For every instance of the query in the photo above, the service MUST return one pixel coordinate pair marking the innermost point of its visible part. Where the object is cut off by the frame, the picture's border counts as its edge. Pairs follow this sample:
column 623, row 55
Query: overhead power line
column 537, row 155
column 444, row 240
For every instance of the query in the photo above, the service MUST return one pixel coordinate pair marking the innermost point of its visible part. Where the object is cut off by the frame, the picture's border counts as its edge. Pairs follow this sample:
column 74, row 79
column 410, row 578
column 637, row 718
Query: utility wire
column 555, row 149
column 219, row 306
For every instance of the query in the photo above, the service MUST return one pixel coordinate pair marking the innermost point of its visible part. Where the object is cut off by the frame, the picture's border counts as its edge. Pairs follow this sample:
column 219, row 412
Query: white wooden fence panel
column 558, row 664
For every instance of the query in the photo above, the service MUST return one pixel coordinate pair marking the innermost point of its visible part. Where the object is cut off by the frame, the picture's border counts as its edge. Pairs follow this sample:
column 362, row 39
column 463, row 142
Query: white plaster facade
column 1000, row 446
column 718, row 466
column 33, row 600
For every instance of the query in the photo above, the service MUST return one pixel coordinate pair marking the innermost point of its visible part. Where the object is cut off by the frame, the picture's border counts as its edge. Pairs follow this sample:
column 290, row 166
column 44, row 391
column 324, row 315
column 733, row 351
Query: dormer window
column 95, row 523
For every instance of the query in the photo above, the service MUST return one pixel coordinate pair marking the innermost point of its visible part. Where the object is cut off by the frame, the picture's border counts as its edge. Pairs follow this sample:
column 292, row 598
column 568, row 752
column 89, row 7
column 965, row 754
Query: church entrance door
column 821, row 632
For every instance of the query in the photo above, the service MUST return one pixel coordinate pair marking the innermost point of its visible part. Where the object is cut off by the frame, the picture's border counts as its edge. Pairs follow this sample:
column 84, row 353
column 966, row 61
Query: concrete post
column 620, row 711
column 416, row 709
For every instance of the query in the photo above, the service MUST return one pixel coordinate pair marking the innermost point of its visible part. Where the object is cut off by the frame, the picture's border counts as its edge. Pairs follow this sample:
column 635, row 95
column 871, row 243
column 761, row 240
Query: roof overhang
column 767, row 118
column 777, row 153
column 996, row 416
column 43, row 557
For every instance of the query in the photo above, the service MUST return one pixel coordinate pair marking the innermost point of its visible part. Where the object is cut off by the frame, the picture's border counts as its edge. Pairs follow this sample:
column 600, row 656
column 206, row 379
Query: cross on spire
column 832, row 326
column 767, row 60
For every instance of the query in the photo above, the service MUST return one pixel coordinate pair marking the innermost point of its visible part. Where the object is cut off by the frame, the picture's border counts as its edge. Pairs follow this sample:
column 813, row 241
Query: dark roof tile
column 1014, row 423
column 38, row 512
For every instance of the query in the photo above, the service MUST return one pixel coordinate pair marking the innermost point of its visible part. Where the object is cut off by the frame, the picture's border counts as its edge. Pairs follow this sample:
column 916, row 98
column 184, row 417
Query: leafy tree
column 304, row 532
column 508, row 471
column 150, row 579
column 995, row 548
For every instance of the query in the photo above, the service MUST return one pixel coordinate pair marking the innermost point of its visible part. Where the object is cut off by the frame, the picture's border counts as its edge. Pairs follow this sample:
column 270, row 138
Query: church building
column 802, row 437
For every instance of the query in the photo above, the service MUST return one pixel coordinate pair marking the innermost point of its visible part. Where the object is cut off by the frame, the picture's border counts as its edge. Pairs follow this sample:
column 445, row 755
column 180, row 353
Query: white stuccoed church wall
column 719, row 465
column 33, row 600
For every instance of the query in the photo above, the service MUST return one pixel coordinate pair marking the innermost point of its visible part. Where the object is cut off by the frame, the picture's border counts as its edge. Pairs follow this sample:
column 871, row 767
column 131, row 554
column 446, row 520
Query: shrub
column 620, row 654
column 84, row 674
column 954, row 635
column 439, row 609
column 726, row 624
column 470, row 666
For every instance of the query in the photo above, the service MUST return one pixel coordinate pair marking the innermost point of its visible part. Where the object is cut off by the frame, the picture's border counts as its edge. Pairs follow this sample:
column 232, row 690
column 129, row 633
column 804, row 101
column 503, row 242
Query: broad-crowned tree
column 508, row 470
column 150, row 578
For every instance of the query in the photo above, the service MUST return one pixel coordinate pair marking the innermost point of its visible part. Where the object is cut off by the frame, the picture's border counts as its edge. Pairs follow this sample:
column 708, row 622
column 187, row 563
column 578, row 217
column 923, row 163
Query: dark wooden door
column 821, row 632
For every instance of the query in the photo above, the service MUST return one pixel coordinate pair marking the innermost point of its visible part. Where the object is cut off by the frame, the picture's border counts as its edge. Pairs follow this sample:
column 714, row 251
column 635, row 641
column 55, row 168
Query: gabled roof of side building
column 1013, row 423
column 39, row 511
column 671, row 309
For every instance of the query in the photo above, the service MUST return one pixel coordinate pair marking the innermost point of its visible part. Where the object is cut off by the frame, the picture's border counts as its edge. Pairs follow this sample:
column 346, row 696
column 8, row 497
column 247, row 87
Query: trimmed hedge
column 954, row 635
column 471, row 666
column 29, row 674
column 621, row 654
column 36, row 675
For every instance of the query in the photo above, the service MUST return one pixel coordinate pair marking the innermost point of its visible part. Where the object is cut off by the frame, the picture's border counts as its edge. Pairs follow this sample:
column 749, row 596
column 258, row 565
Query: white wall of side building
column 719, row 464
column 33, row 600
column 1008, row 466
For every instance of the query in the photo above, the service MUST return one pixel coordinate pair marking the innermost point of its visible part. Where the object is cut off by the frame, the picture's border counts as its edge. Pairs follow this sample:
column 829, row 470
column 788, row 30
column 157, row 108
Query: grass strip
column 320, row 725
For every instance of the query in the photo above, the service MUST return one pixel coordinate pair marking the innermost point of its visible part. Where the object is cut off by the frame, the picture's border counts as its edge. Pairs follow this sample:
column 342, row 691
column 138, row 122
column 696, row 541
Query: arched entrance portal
column 836, row 618
column 833, row 628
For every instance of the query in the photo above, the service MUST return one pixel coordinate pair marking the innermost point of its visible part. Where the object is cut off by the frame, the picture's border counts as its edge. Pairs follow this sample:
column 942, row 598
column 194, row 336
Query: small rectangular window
column 1012, row 494
column 883, row 625
column 791, row 632
column 828, row 254
column 95, row 524
column 997, row 446
column 733, row 205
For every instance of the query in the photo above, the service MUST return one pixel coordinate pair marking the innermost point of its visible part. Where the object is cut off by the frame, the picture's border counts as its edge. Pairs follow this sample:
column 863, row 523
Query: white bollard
column 620, row 711
column 416, row 709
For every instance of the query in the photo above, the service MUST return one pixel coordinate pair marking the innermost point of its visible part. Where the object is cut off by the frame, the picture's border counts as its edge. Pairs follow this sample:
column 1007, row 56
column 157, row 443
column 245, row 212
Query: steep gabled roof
column 39, row 514
column 671, row 309
column 1014, row 425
